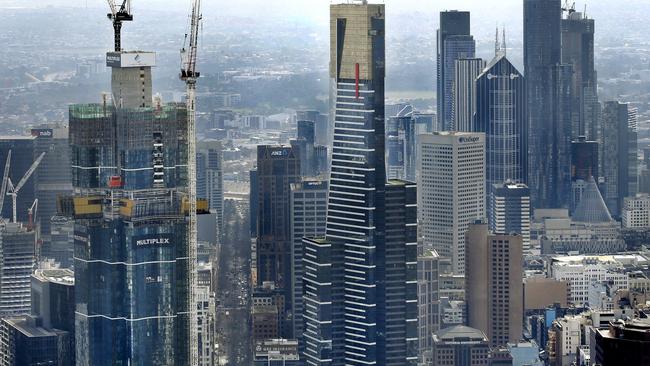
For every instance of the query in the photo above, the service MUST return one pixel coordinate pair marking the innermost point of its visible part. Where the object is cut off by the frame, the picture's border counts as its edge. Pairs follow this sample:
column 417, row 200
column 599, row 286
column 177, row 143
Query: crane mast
column 117, row 16
column 5, row 181
column 189, row 75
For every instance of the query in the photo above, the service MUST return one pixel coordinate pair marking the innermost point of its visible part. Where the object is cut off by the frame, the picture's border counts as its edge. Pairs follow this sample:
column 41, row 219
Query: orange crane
column 117, row 16
column 190, row 76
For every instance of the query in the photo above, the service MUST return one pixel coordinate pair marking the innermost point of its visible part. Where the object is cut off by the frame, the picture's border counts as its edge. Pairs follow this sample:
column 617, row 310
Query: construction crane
column 117, row 16
column 569, row 9
column 13, row 190
column 5, row 180
column 32, row 214
column 190, row 76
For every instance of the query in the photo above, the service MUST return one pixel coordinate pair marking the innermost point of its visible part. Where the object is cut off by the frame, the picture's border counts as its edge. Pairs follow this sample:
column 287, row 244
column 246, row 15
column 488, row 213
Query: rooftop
column 60, row 276
column 460, row 333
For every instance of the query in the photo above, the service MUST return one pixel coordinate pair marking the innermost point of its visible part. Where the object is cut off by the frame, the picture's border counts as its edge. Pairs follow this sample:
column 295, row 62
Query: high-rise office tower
column 209, row 178
column 23, row 154
column 17, row 260
column 464, row 93
column 501, row 115
column 494, row 288
column 321, row 126
column 619, row 165
column 253, row 199
column 60, row 246
column 52, row 292
column 578, row 50
column 451, row 192
column 509, row 210
column 361, row 285
column 24, row 342
column 277, row 168
column 53, row 177
column 132, row 270
column 428, row 303
column 308, row 203
column 623, row 343
column 453, row 42
column 542, row 55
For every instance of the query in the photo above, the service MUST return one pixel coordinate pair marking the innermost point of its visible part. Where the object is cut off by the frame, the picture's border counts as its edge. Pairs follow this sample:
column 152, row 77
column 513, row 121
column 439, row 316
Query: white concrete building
column 636, row 211
column 451, row 191
column 580, row 272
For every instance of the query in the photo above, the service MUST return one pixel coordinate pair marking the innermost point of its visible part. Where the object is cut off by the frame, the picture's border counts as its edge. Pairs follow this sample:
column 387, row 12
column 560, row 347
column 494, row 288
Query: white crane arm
column 29, row 173
column 5, row 181
column 114, row 8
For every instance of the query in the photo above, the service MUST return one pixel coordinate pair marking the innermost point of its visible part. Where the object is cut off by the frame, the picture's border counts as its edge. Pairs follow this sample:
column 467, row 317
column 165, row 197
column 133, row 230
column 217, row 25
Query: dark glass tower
column 360, row 284
column 501, row 114
column 453, row 42
column 578, row 50
column 277, row 168
column 130, row 206
column 549, row 125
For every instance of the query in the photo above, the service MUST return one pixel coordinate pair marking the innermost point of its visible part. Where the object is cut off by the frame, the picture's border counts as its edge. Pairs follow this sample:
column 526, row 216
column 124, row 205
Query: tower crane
column 13, row 190
column 117, row 16
column 32, row 214
column 190, row 76
column 569, row 9
column 5, row 180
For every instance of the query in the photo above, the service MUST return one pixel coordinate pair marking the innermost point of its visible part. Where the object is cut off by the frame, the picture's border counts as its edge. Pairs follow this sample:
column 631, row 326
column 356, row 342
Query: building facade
column 129, row 173
column 451, row 191
column 464, row 93
column 619, row 160
column 308, row 203
column 494, row 284
column 623, row 343
column 636, row 212
column 548, row 124
column 460, row 346
column 428, row 303
column 455, row 27
column 509, row 210
column 361, row 290
column 501, row 115
column 209, row 178
column 17, row 262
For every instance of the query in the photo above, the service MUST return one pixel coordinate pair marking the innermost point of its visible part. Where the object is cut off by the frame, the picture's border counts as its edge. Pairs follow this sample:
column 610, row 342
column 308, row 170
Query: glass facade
column 131, row 252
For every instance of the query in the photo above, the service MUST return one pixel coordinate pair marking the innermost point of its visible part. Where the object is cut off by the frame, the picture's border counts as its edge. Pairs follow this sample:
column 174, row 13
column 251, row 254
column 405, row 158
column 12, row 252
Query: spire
column 591, row 208
column 504, row 48
column 497, row 46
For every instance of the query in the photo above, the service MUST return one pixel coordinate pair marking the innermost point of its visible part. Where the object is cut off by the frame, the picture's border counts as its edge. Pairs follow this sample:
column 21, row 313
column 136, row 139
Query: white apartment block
column 580, row 272
column 636, row 211
column 451, row 191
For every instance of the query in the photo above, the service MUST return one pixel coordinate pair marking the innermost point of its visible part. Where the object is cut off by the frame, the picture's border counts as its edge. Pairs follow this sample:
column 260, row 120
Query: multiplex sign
column 154, row 240
column 130, row 59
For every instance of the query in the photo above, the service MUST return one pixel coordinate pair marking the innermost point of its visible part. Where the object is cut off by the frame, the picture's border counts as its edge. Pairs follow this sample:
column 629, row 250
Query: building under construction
column 130, row 206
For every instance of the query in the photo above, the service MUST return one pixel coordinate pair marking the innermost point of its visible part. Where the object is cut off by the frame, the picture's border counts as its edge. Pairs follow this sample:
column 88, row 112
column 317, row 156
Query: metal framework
column 5, row 180
column 13, row 190
column 117, row 16
column 190, row 76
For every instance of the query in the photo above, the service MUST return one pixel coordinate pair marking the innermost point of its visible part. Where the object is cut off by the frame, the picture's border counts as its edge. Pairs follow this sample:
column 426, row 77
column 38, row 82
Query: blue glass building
column 129, row 173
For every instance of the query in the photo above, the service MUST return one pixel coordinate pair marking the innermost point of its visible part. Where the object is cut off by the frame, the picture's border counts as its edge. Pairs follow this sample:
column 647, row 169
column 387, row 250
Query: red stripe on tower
column 356, row 73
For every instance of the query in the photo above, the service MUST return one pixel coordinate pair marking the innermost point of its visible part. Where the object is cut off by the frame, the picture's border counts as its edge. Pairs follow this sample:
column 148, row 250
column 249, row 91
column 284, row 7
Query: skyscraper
column 542, row 54
column 453, row 42
column 361, row 289
column 509, row 210
column 494, row 288
column 618, row 155
column 578, row 51
column 451, row 191
column 401, row 146
column 464, row 93
column 277, row 168
column 428, row 303
column 501, row 115
column 308, row 203
column 17, row 260
column 132, row 270
column 53, row 176
column 209, row 178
